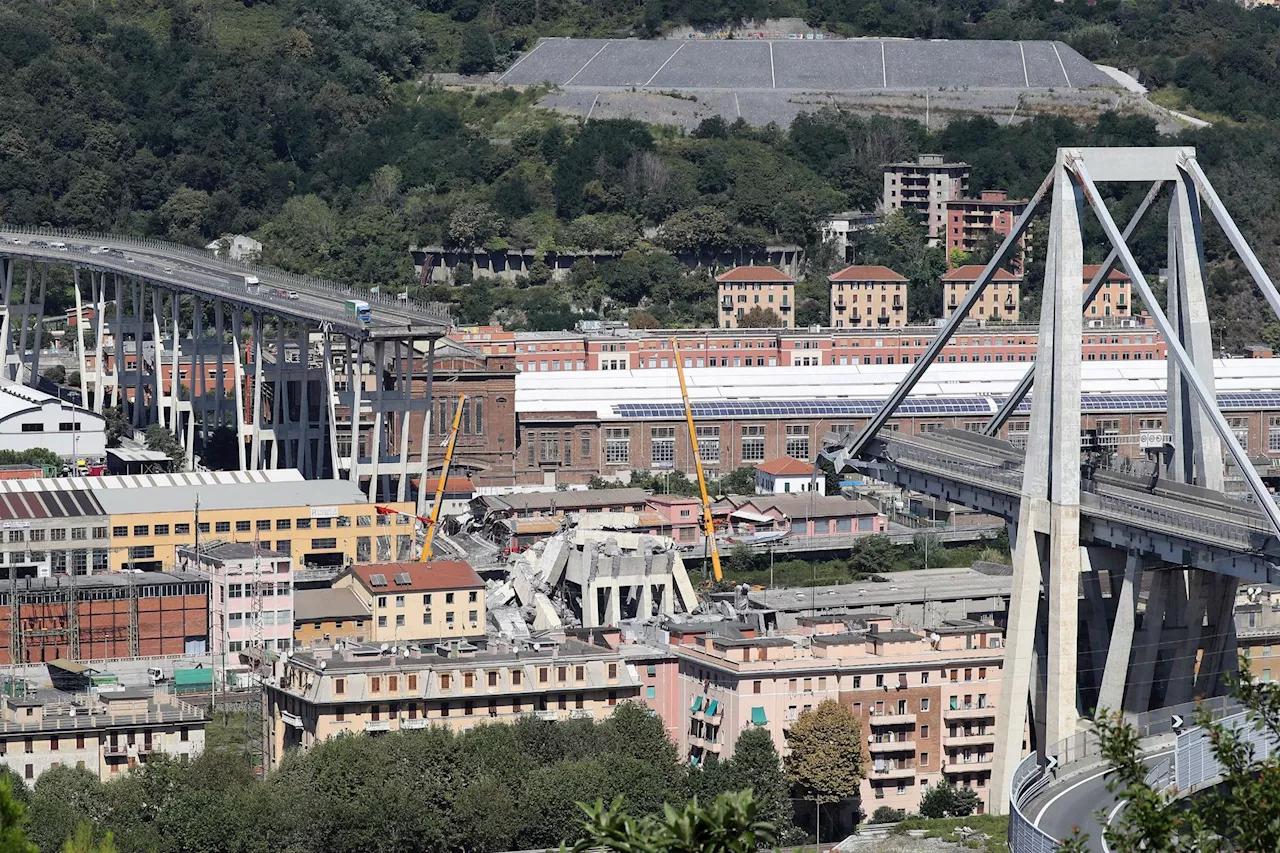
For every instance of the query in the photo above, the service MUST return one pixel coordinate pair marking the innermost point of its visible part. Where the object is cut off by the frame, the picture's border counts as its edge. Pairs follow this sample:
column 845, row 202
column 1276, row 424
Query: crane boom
column 709, row 527
column 444, row 475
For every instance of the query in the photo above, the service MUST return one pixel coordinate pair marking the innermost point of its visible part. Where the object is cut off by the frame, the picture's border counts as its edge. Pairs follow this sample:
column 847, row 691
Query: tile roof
column 866, row 273
column 970, row 272
column 785, row 466
column 1090, row 270
column 421, row 577
column 315, row 605
column 755, row 274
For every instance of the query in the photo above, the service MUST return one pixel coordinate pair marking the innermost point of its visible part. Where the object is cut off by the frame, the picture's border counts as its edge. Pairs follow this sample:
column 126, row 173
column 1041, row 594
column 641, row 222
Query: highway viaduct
column 281, row 361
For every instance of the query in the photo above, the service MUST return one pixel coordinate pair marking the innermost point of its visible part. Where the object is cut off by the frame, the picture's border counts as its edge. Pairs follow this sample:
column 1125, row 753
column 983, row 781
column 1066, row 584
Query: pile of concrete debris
column 593, row 572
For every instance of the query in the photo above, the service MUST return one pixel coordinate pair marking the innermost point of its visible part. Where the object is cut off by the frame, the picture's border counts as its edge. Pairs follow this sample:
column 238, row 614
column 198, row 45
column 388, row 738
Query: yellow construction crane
column 444, row 475
column 709, row 527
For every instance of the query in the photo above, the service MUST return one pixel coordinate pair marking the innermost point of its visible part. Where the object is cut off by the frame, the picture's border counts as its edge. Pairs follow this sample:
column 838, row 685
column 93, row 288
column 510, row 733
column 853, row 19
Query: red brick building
column 969, row 220
column 118, row 615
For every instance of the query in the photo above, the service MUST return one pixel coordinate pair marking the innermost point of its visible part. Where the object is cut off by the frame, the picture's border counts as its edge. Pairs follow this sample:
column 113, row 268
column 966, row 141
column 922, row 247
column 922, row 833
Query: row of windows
column 243, row 526
column 55, row 534
column 541, row 703
column 468, row 680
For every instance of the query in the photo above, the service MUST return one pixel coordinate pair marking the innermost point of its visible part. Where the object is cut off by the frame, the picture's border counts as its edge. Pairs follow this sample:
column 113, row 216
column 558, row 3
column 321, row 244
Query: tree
column 472, row 223
column 56, row 374
column 13, row 835
column 1238, row 814
column 476, row 55
column 887, row 814
column 34, row 456
column 160, row 440
column 739, row 481
column 221, row 454
column 81, row 841
column 871, row 554
column 760, row 317
column 946, row 800
column 731, row 824
column 116, row 425
column 826, row 758
column 756, row 766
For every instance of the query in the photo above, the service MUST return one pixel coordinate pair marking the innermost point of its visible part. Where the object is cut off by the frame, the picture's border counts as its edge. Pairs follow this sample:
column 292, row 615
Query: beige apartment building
column 925, row 186
column 1112, row 298
column 440, row 600
column 868, row 297
column 925, row 697
column 742, row 289
column 104, row 733
column 999, row 300
column 358, row 688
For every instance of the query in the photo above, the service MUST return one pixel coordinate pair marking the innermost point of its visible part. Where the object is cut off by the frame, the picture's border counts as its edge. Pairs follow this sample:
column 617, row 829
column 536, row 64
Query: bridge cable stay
column 849, row 447
column 1011, row 403
column 1206, row 398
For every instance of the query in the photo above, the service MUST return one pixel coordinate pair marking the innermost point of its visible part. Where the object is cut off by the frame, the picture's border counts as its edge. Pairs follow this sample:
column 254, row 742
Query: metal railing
column 434, row 311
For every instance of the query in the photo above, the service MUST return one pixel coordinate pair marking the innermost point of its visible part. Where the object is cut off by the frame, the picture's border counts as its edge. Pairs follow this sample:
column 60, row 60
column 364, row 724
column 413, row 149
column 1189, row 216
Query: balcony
column 887, row 773
column 969, row 711
column 147, row 747
column 292, row 720
column 840, row 306
column 879, row 747
column 115, row 749
column 893, row 719
column 973, row 765
column 377, row 725
column 969, row 740
column 415, row 723
column 707, row 744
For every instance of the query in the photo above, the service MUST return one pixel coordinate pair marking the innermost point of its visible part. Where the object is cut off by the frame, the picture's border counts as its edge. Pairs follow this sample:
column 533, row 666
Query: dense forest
column 317, row 126
column 494, row 787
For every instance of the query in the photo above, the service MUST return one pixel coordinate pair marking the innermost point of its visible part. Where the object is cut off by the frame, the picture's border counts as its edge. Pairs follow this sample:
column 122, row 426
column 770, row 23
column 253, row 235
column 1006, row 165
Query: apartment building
column 440, row 600
column 104, row 733
column 46, row 533
column 925, row 186
column 325, row 616
column 925, row 697
column 999, row 300
column 742, row 289
column 237, row 617
column 868, row 297
column 970, row 220
column 1113, row 297
column 314, row 695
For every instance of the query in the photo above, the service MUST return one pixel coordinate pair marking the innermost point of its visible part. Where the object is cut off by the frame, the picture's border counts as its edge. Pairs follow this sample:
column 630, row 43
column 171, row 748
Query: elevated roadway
column 191, row 271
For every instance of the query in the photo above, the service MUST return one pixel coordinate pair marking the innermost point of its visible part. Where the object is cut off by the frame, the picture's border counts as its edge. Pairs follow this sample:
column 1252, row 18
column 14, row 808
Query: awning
column 748, row 515
column 758, row 717
column 713, row 707
column 697, row 704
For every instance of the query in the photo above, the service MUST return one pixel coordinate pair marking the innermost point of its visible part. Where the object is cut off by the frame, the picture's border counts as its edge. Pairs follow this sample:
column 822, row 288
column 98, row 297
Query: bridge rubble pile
column 593, row 572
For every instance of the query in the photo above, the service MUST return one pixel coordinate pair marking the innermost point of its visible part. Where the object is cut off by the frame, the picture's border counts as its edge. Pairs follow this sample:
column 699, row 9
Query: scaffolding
column 38, row 608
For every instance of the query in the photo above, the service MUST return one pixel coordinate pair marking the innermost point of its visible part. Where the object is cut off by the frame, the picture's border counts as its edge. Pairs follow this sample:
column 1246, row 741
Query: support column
column 1182, row 674
column 1142, row 673
column 404, row 375
column 1048, row 540
column 39, row 329
column 1111, row 693
column 377, row 480
column 157, row 358
column 279, row 404
column 219, row 331
column 26, row 321
column 356, row 385
column 175, row 389
column 237, row 341
column 1220, row 657
column 304, row 456
column 6, row 332
column 137, row 352
column 256, row 446
column 428, row 411
column 99, row 316
column 79, row 333
column 1197, row 452
column 329, row 412
column 199, row 383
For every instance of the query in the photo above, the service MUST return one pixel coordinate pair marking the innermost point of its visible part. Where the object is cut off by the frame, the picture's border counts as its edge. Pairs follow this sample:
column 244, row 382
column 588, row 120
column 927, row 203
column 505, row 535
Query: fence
column 433, row 311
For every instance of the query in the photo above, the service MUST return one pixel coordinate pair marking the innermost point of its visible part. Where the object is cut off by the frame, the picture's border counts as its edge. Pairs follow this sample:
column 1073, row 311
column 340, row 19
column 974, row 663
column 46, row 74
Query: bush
column 887, row 814
column 946, row 800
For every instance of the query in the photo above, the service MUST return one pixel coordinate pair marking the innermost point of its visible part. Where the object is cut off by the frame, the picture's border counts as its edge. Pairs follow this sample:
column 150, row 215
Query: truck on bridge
column 358, row 311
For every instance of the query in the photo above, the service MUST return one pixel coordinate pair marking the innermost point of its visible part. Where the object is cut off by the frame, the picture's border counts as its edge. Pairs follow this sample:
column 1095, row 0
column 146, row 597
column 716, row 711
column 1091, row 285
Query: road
column 191, row 271
column 1083, row 801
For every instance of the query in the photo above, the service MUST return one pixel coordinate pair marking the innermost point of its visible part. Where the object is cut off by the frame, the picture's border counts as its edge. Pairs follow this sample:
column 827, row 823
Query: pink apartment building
column 234, row 569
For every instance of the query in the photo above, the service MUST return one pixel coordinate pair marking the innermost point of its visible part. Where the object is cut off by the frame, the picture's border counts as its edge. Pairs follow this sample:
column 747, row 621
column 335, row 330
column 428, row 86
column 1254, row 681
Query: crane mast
column 709, row 527
column 444, row 475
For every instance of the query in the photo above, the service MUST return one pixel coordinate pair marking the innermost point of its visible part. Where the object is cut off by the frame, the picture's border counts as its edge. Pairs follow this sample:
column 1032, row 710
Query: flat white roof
column 600, row 390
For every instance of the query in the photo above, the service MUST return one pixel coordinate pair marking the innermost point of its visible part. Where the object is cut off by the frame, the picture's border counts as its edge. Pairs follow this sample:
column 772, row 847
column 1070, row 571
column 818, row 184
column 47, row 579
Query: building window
column 327, row 544
column 120, row 530
column 222, row 527
column 178, row 530
column 798, row 441
column 662, row 447
column 753, row 443
column 617, row 446
column 138, row 530
column 709, row 445
column 242, row 526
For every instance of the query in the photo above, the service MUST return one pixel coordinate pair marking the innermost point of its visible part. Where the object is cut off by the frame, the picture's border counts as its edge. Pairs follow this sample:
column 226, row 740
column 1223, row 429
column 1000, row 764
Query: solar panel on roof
column 402, row 579
column 377, row 580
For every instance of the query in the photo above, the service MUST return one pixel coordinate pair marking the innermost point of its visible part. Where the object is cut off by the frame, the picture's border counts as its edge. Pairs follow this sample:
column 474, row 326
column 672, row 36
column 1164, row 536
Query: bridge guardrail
column 1196, row 767
column 434, row 310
